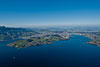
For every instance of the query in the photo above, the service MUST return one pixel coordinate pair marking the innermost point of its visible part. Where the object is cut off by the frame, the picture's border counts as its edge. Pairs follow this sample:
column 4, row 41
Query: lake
column 75, row 52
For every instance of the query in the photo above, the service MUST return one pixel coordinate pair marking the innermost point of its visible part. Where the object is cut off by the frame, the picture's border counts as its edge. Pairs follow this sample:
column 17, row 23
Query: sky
column 49, row 12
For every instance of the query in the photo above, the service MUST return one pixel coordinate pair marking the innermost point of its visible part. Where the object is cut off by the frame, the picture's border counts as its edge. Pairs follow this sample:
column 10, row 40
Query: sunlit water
column 74, row 52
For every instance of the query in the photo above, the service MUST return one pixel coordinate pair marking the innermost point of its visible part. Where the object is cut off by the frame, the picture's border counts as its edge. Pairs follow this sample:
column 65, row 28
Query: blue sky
column 49, row 12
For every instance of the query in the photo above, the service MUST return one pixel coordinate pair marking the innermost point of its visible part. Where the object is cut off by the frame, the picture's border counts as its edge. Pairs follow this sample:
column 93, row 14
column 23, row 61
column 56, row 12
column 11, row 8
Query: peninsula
column 36, row 41
column 26, row 37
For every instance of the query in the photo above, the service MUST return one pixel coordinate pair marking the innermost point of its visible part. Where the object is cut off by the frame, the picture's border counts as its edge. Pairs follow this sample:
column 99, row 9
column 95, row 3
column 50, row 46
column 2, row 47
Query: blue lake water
column 74, row 52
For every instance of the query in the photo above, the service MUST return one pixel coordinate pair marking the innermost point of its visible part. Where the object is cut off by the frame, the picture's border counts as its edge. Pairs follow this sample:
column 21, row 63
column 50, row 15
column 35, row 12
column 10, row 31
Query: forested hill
column 7, row 33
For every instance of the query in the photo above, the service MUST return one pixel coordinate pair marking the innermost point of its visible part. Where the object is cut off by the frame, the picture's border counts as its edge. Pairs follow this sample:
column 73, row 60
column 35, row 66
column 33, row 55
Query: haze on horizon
column 49, row 12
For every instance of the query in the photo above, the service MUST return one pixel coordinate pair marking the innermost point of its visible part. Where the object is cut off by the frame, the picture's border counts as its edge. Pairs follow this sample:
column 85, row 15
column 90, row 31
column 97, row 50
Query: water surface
column 75, row 52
